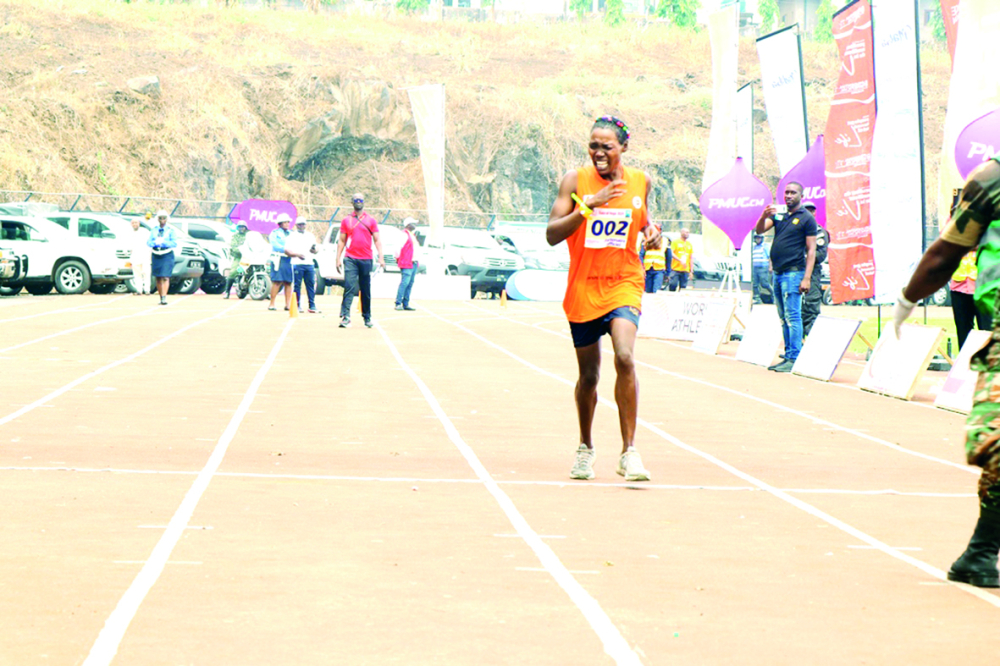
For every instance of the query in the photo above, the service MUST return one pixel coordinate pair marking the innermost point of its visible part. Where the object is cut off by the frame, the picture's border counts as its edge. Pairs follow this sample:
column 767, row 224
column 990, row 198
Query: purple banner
column 261, row 214
column 734, row 202
column 977, row 143
column 811, row 174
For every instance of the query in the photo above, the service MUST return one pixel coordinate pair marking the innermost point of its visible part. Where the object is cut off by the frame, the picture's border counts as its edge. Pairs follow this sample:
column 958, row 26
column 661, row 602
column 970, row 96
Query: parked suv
column 56, row 258
column 11, row 266
column 534, row 250
column 474, row 252
column 326, row 260
column 213, row 238
column 88, row 225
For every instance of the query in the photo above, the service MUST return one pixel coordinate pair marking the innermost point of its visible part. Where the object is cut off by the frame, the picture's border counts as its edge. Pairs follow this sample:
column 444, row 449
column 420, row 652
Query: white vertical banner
column 428, row 114
column 897, row 190
column 975, row 87
column 744, row 149
column 724, row 34
column 780, row 55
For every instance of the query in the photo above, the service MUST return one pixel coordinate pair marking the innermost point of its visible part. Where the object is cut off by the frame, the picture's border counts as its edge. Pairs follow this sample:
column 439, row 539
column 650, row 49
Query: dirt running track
column 210, row 483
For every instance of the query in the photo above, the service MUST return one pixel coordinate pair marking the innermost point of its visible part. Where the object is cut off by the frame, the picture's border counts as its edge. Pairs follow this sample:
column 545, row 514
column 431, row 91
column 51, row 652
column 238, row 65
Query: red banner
column 849, row 131
column 949, row 14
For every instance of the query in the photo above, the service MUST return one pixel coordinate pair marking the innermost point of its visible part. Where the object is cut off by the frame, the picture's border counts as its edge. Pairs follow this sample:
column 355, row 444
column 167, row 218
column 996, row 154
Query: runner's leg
column 589, row 360
column 623, row 334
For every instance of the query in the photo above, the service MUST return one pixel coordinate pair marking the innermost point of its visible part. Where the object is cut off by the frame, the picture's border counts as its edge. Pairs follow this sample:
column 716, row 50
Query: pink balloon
column 261, row 215
column 810, row 172
column 978, row 142
column 734, row 202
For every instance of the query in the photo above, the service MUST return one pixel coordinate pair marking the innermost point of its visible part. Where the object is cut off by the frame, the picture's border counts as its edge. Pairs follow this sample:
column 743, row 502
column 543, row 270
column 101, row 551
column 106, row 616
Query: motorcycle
column 254, row 277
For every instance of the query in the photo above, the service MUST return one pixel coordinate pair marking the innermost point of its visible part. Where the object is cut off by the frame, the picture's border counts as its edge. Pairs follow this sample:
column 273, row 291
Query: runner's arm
column 564, row 220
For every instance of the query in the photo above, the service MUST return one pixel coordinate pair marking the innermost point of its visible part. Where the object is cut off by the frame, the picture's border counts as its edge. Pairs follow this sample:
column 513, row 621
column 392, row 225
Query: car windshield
column 469, row 238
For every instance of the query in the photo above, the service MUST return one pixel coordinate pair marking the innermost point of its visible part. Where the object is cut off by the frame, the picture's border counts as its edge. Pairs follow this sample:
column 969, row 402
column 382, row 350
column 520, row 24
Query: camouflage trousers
column 982, row 442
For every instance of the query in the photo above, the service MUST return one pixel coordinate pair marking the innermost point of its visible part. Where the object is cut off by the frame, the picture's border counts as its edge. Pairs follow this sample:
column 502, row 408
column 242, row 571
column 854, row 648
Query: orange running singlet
column 604, row 268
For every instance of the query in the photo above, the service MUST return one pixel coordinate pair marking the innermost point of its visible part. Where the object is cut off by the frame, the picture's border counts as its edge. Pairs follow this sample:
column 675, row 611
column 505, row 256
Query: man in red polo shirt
column 358, row 231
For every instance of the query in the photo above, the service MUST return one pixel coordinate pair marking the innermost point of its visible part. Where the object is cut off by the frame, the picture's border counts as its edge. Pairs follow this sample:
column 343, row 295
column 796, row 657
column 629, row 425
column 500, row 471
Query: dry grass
column 235, row 81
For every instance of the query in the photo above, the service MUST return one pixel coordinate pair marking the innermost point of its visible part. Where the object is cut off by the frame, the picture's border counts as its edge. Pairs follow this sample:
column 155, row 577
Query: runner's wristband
column 903, row 300
column 584, row 209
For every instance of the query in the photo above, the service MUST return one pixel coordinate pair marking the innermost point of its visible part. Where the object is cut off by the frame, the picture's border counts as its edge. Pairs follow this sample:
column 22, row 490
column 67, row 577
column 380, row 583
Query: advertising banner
column 978, row 143
column 897, row 187
column 974, row 88
column 810, row 173
column 744, row 125
column 723, row 31
column 949, row 14
column 261, row 215
column 734, row 202
column 849, row 131
column 780, row 55
column 428, row 115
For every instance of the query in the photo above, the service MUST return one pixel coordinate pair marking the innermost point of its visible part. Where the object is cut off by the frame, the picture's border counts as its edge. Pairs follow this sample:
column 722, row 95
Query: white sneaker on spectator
column 583, row 468
column 630, row 466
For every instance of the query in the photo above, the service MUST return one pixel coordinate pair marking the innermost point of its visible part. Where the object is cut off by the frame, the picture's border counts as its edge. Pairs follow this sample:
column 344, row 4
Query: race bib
column 608, row 227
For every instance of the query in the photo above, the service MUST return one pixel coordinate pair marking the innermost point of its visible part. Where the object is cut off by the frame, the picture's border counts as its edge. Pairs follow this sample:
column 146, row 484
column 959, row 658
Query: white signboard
column 780, row 56
column 958, row 389
column 714, row 329
column 678, row 315
column 762, row 337
column 897, row 365
column 825, row 347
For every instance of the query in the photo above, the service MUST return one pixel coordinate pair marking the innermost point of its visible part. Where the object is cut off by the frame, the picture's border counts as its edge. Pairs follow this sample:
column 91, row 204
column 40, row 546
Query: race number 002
column 609, row 228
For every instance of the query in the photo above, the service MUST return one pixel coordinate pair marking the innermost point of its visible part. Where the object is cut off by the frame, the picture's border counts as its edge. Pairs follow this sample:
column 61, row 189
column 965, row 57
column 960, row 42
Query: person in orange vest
column 682, row 264
column 655, row 264
column 600, row 211
column 963, row 307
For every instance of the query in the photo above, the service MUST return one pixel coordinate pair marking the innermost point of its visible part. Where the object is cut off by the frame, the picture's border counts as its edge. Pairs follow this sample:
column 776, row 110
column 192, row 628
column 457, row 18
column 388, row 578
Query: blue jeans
column 654, row 281
column 789, row 303
column 305, row 272
column 405, row 286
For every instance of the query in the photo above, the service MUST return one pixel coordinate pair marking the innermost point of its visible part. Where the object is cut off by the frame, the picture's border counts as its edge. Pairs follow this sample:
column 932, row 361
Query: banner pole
column 920, row 124
column 802, row 87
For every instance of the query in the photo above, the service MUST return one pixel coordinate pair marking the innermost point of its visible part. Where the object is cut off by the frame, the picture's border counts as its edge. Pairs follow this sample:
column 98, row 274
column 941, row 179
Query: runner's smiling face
column 605, row 151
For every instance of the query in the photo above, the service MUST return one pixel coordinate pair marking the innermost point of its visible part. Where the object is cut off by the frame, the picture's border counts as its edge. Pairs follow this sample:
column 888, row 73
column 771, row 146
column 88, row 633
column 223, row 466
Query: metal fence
column 220, row 210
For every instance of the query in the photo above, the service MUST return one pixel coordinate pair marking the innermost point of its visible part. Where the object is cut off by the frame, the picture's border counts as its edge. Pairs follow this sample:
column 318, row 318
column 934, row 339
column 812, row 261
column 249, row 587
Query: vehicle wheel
column 10, row 290
column 827, row 297
column 940, row 297
column 38, row 288
column 213, row 285
column 124, row 287
column 103, row 288
column 260, row 287
column 452, row 271
column 189, row 285
column 72, row 277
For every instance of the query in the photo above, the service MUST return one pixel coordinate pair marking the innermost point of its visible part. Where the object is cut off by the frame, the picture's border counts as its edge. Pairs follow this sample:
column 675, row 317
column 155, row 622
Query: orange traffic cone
column 293, row 308
column 503, row 298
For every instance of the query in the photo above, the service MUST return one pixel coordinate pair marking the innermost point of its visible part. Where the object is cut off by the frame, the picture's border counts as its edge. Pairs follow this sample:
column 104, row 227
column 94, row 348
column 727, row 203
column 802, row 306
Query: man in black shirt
column 793, row 255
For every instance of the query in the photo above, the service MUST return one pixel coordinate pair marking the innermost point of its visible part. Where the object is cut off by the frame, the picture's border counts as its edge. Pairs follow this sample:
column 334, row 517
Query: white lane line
column 144, row 313
column 106, row 646
column 614, row 643
column 143, row 562
column 540, row 536
column 90, row 375
column 555, row 484
column 542, row 570
column 790, row 410
column 860, row 547
column 73, row 309
column 932, row 571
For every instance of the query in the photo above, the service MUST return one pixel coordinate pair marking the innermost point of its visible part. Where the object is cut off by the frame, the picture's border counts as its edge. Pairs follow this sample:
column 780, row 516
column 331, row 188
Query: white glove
column 899, row 314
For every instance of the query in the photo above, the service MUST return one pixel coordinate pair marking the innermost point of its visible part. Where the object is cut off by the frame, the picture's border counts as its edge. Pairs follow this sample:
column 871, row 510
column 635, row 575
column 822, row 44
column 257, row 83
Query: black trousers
column 357, row 277
column 967, row 316
column 811, row 301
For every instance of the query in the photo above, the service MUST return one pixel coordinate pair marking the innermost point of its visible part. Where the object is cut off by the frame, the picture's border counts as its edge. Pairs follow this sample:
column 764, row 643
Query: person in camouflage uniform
column 235, row 243
column 977, row 211
column 813, row 298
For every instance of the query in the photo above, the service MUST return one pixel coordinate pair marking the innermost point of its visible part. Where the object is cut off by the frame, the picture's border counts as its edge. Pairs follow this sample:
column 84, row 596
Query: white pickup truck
column 54, row 257
column 326, row 260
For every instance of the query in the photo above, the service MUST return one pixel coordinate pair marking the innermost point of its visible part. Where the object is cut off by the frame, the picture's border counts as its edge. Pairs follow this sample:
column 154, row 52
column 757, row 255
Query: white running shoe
column 630, row 466
column 583, row 468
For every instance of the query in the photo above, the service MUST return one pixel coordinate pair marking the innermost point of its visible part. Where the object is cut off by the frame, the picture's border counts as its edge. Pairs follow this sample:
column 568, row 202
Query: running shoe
column 345, row 322
column 583, row 468
column 399, row 307
column 630, row 466
column 368, row 323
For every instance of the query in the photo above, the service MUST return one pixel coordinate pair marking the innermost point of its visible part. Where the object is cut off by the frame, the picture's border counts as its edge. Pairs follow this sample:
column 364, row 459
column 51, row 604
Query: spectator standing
column 976, row 218
column 682, row 263
column 299, row 246
column 655, row 263
column 813, row 300
column 963, row 307
column 668, row 257
column 793, row 255
column 163, row 240
column 140, row 257
column 281, row 261
column 236, row 252
column 358, row 231
column 407, row 265
column 761, row 273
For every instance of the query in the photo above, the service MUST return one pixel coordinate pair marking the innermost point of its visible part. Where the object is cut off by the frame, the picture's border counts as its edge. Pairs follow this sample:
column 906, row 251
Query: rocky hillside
column 286, row 104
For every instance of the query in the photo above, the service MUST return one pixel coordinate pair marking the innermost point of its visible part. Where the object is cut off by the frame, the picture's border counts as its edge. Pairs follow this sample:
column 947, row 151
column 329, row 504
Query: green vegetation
column 824, row 22
column 614, row 13
column 869, row 327
column 412, row 6
column 770, row 15
column 680, row 12
column 936, row 24
column 579, row 7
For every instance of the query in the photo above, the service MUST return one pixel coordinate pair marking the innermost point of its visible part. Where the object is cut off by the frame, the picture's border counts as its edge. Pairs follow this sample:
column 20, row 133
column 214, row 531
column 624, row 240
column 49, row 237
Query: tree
column 681, row 13
column 413, row 6
column 579, row 7
column 824, row 22
column 770, row 15
column 614, row 12
column 936, row 24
